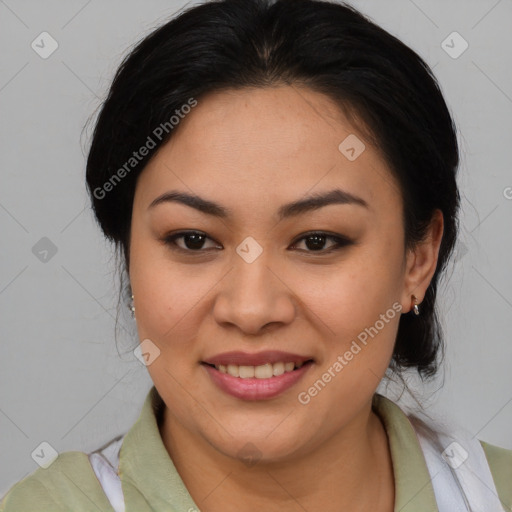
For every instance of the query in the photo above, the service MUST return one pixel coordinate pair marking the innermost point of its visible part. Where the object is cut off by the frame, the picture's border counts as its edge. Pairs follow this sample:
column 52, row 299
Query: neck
column 352, row 469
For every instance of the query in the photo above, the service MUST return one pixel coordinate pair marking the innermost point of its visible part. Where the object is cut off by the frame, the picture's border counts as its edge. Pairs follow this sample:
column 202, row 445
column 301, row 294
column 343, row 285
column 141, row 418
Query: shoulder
column 500, row 463
column 68, row 482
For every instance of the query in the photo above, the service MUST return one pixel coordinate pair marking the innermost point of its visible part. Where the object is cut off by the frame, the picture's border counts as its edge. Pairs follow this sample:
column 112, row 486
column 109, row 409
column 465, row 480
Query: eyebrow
column 310, row 203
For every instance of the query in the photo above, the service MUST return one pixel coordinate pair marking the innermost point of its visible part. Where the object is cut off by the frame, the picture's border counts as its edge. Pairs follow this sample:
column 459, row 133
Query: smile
column 264, row 371
column 257, row 382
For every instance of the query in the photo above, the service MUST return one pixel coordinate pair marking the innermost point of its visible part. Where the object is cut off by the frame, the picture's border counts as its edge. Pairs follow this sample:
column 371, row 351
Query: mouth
column 264, row 371
column 259, row 376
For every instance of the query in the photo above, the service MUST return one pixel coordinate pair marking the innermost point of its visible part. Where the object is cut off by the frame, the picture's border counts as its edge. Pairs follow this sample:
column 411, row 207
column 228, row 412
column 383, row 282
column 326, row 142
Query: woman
column 280, row 180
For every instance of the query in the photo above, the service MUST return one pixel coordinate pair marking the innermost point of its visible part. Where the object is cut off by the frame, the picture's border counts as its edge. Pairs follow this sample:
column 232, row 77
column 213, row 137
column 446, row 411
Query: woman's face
column 253, row 281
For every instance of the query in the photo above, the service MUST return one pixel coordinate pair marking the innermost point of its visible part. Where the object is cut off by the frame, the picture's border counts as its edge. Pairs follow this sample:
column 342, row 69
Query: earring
column 132, row 308
column 415, row 307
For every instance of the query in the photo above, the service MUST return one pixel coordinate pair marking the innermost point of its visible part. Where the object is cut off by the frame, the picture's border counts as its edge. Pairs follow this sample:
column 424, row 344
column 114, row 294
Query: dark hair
column 330, row 48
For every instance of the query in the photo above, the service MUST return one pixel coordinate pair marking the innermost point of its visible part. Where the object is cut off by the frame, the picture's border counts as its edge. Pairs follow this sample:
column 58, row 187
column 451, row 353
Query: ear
column 421, row 263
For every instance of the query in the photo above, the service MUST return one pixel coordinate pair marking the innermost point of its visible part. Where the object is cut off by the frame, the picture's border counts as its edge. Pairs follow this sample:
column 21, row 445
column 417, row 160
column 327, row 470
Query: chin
column 255, row 450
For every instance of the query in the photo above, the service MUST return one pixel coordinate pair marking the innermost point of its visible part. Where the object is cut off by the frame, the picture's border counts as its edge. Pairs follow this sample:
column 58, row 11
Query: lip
column 253, row 388
column 257, row 359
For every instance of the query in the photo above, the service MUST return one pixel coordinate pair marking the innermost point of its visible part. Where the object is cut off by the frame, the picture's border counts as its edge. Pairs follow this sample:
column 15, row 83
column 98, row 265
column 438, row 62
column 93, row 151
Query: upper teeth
column 264, row 371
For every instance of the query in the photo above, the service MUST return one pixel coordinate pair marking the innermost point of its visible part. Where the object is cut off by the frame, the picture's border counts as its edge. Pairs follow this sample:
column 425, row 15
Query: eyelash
column 341, row 242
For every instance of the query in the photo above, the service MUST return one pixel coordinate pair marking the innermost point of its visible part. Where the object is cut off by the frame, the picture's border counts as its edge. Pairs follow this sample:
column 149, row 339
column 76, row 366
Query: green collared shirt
column 150, row 481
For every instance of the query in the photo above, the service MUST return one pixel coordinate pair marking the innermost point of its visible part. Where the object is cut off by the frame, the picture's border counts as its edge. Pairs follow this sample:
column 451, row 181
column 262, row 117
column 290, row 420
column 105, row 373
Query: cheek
column 351, row 296
column 166, row 294
column 169, row 303
column 358, row 312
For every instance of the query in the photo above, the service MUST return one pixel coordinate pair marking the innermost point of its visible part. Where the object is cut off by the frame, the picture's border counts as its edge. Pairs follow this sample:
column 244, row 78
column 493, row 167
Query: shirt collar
column 150, row 481
column 413, row 484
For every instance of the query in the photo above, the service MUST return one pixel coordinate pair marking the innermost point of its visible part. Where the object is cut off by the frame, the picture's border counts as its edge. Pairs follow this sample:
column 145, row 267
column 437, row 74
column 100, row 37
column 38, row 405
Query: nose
column 254, row 297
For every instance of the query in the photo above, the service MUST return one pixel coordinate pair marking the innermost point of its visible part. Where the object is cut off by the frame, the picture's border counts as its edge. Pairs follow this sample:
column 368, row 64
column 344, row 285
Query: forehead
column 272, row 143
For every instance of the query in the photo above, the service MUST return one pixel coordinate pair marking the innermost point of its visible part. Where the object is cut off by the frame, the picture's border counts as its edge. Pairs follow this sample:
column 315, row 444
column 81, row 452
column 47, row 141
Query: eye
column 193, row 241
column 315, row 242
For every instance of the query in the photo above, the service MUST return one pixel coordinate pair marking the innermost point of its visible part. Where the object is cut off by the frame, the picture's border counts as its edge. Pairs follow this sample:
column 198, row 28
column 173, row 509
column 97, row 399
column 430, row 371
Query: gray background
column 61, row 377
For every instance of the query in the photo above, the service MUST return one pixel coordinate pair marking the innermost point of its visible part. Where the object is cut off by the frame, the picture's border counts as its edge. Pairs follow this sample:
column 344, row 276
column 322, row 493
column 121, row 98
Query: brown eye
column 193, row 241
column 315, row 242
